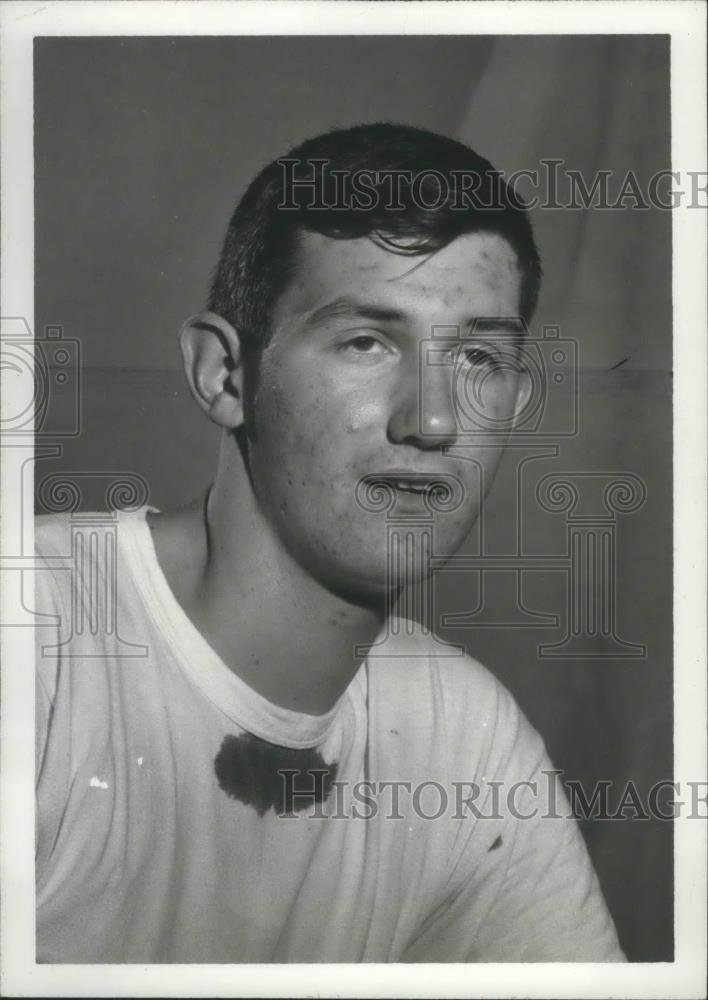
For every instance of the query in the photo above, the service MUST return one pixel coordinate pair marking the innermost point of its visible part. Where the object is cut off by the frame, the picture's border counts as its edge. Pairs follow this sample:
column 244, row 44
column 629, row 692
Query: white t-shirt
column 159, row 836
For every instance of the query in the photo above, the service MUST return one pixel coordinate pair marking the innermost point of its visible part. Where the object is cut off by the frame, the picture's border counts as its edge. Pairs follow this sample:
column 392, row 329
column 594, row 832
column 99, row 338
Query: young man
column 255, row 788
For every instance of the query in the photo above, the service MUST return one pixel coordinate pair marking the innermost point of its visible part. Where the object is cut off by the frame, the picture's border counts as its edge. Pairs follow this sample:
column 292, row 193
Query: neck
column 273, row 624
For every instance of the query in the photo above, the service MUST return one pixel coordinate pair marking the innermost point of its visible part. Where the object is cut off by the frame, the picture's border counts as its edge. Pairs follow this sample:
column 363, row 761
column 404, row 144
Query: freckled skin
column 325, row 413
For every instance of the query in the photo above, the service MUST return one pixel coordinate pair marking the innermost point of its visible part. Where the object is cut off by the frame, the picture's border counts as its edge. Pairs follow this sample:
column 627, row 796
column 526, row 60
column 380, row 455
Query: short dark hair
column 258, row 258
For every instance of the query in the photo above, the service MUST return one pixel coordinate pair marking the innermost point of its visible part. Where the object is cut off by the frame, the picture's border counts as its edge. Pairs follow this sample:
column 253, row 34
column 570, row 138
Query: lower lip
column 417, row 500
column 405, row 497
column 432, row 494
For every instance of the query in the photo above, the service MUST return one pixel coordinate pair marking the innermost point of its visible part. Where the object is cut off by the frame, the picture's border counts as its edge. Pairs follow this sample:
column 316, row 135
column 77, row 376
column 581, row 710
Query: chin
column 369, row 584
column 361, row 570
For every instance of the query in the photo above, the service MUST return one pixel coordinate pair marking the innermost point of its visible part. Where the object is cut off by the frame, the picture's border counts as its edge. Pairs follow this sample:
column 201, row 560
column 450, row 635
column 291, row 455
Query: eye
column 476, row 357
column 363, row 346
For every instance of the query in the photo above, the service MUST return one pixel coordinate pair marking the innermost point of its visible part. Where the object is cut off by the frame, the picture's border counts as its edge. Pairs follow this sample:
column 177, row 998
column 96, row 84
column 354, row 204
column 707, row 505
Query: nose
column 423, row 414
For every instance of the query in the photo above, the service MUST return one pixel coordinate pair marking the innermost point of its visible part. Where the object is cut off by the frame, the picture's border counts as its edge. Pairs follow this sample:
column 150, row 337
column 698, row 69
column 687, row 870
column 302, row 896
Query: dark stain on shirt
column 267, row 776
column 497, row 843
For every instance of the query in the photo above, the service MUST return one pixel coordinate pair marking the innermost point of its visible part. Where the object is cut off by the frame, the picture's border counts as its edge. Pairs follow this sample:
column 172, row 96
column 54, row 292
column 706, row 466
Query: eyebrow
column 345, row 307
column 498, row 324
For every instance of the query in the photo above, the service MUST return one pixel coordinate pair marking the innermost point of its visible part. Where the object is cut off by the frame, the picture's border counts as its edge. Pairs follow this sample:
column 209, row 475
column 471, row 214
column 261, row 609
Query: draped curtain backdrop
column 143, row 146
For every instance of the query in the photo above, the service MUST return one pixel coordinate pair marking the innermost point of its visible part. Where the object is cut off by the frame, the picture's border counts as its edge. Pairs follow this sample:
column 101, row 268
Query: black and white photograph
column 353, row 495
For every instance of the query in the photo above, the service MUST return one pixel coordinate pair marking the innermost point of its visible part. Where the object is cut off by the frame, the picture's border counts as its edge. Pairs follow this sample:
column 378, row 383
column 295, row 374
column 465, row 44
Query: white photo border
column 685, row 22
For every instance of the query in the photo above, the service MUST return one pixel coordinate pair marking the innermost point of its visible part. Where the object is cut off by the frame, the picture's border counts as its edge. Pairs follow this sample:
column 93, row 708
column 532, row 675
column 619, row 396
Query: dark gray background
column 143, row 146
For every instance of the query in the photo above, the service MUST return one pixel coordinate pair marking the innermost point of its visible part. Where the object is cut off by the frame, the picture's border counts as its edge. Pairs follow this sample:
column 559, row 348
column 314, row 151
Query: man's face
column 344, row 392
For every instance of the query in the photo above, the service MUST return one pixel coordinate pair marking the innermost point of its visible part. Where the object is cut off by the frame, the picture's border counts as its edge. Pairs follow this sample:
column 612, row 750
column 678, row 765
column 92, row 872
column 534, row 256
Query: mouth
column 404, row 486
column 415, row 489
column 412, row 483
column 399, row 489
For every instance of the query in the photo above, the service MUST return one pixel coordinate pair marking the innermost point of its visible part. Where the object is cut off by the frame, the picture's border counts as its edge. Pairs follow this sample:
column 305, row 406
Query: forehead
column 476, row 274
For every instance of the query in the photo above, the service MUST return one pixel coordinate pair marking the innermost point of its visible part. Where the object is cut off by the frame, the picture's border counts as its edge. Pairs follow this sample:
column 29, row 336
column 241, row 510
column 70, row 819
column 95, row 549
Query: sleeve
column 52, row 718
column 550, row 907
column 50, row 615
column 42, row 712
column 522, row 887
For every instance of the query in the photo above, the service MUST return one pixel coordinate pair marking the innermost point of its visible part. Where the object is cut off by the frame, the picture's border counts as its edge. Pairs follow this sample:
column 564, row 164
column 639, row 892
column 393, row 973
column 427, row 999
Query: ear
column 212, row 358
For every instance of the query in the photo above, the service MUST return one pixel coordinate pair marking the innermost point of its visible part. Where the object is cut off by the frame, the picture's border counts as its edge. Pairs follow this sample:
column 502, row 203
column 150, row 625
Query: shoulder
column 452, row 694
column 74, row 553
column 52, row 577
column 67, row 536
column 414, row 657
column 481, row 714
column 64, row 541
column 52, row 535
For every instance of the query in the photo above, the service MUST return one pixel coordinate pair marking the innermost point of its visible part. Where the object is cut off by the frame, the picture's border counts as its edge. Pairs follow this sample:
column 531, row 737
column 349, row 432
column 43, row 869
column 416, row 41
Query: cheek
column 359, row 413
column 303, row 448
column 308, row 413
column 503, row 399
column 287, row 414
column 489, row 400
